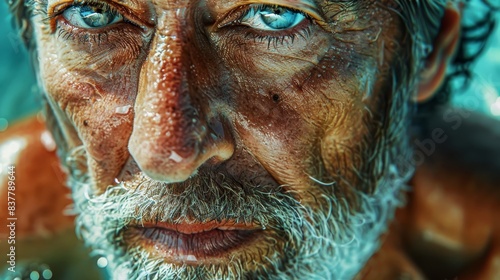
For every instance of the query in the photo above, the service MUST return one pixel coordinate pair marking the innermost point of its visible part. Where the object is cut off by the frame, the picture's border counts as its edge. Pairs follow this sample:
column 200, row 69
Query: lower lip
column 177, row 247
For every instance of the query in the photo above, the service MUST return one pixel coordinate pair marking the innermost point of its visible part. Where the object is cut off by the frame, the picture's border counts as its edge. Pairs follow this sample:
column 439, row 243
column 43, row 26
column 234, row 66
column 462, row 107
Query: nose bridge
column 168, row 132
column 163, row 104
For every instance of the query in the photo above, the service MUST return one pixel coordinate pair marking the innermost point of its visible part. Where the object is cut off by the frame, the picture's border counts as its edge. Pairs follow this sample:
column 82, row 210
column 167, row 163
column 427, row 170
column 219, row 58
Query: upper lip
column 190, row 227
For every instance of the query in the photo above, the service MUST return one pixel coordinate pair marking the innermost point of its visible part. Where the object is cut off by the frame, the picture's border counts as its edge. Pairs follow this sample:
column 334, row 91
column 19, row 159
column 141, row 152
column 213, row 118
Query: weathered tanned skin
column 189, row 91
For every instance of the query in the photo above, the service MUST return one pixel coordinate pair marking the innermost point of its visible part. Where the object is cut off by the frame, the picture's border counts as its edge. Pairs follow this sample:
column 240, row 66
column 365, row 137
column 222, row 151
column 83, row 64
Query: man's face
column 226, row 138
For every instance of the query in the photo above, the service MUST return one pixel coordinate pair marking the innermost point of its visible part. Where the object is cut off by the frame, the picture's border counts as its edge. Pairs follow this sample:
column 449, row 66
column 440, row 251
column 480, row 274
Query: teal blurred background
column 19, row 95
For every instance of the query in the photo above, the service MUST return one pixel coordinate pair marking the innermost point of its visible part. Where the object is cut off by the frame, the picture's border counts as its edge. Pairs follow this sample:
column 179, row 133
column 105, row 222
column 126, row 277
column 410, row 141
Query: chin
column 231, row 229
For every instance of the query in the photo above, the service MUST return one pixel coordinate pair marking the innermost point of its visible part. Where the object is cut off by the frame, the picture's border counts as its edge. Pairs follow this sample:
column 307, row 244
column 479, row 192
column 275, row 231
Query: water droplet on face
column 123, row 110
column 180, row 11
column 157, row 118
column 191, row 258
column 175, row 157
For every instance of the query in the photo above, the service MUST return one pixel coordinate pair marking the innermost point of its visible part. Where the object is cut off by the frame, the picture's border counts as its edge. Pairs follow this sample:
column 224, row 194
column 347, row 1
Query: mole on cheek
column 276, row 98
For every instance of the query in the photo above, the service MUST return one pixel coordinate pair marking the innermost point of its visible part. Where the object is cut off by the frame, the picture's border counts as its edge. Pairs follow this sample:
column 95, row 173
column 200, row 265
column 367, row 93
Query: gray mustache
column 210, row 195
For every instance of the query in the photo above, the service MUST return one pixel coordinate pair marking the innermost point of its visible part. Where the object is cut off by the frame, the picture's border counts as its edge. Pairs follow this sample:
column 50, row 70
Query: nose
column 174, row 132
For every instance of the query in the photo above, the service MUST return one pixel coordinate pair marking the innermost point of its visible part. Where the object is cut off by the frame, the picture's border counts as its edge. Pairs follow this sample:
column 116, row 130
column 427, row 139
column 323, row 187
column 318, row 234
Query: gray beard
column 333, row 241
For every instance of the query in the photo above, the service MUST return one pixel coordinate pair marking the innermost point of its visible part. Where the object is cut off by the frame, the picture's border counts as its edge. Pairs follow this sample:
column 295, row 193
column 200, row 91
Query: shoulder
column 43, row 232
column 462, row 141
column 450, row 219
column 31, row 172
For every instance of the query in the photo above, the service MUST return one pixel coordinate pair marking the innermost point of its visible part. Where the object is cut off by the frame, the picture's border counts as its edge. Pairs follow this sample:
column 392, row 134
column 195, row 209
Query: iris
column 267, row 17
column 86, row 16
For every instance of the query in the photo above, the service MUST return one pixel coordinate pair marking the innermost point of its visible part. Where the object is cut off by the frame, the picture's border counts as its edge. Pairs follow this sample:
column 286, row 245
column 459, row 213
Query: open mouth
column 194, row 243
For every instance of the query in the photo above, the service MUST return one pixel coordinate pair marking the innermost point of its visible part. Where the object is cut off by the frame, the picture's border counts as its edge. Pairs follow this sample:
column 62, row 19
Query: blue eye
column 266, row 17
column 86, row 16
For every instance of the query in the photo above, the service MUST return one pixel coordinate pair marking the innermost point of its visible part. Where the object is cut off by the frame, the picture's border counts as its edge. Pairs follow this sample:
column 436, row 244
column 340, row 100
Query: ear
column 443, row 49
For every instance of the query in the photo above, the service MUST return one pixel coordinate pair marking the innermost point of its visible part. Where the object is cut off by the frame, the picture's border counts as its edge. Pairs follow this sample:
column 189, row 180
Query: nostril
column 171, row 165
column 173, row 168
column 217, row 128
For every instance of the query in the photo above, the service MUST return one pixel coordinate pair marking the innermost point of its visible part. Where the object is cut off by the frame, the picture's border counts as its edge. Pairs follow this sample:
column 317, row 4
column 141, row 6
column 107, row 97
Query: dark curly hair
column 475, row 32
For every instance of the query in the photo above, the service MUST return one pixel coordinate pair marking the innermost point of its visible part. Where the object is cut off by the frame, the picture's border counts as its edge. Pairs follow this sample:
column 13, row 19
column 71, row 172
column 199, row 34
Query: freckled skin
column 204, row 97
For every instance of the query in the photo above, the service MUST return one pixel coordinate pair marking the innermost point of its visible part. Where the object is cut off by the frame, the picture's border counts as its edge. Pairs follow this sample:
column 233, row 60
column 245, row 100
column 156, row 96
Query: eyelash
column 67, row 31
column 99, row 36
column 279, row 39
column 82, row 36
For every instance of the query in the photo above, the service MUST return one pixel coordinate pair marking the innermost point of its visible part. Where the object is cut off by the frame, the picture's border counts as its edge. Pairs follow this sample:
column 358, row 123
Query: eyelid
column 57, row 9
column 307, row 7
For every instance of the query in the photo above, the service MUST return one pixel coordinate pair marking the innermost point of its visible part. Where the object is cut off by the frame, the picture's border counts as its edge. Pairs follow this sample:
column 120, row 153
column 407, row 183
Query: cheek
column 99, row 54
column 274, row 59
column 78, row 66
column 277, row 137
column 92, row 95
column 274, row 123
column 298, row 123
